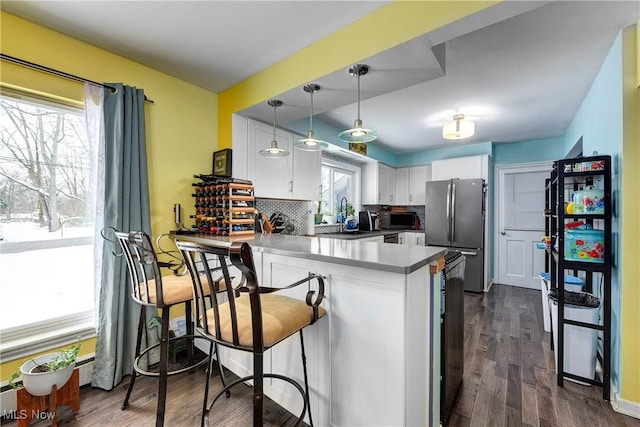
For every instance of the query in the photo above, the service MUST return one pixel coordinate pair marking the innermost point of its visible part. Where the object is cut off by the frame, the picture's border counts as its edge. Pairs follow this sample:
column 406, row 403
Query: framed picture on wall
column 222, row 162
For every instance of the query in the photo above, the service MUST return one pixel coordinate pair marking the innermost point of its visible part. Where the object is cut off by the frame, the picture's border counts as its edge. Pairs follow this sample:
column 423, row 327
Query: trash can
column 571, row 283
column 580, row 344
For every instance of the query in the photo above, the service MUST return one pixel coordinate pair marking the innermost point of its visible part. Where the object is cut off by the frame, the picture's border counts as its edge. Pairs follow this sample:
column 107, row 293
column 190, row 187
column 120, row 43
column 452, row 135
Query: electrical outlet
column 178, row 325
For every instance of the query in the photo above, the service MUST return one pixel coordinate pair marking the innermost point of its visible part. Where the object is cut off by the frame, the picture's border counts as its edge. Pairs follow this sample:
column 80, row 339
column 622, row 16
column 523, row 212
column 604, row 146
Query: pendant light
column 459, row 128
column 358, row 133
column 274, row 151
column 311, row 143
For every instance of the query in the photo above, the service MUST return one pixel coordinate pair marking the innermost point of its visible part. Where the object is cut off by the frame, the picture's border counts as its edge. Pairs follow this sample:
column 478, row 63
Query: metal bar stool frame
column 240, row 256
column 146, row 282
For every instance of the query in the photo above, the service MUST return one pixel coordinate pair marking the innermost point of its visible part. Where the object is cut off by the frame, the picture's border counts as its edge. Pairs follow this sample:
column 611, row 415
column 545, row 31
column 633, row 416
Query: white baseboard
column 8, row 402
column 626, row 407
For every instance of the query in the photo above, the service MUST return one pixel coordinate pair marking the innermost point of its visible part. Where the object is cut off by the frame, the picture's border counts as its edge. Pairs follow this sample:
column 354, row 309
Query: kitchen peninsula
column 375, row 358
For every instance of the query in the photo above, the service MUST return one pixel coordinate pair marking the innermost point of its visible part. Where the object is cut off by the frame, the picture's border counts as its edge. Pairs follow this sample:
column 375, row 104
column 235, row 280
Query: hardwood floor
column 509, row 377
column 509, row 380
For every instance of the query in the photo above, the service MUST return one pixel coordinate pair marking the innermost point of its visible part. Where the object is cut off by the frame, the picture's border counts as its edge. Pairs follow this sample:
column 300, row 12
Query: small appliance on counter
column 368, row 221
column 398, row 220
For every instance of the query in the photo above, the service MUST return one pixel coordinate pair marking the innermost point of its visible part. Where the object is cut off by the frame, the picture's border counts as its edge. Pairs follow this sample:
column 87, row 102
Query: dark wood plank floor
column 509, row 381
column 510, row 378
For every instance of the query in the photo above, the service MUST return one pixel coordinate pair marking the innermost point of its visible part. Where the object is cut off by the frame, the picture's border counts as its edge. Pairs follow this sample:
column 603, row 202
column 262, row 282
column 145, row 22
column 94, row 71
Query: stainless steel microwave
column 398, row 220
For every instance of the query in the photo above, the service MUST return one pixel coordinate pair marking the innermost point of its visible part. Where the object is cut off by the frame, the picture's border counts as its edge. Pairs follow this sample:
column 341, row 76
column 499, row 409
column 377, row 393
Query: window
column 339, row 180
column 46, row 223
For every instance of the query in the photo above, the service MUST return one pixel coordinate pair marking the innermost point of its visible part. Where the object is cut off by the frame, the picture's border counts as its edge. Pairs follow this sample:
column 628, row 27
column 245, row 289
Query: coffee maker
column 368, row 221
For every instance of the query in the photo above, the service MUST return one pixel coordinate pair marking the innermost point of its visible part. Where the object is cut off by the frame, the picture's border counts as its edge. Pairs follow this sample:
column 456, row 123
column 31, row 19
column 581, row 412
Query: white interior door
column 520, row 223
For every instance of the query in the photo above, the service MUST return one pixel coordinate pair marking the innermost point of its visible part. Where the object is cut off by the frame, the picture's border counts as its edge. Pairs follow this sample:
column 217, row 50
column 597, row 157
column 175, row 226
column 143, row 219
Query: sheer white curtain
column 93, row 108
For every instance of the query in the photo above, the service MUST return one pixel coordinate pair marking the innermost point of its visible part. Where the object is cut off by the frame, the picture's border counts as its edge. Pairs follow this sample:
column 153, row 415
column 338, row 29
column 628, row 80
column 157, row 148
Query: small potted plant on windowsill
column 39, row 374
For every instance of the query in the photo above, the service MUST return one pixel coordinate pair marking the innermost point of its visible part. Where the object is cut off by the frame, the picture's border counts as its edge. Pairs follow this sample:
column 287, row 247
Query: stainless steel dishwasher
column 391, row 238
column 452, row 332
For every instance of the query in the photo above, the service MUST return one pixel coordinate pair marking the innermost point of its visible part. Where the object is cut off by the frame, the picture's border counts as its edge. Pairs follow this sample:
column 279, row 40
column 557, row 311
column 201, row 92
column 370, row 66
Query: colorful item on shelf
column 584, row 245
column 589, row 202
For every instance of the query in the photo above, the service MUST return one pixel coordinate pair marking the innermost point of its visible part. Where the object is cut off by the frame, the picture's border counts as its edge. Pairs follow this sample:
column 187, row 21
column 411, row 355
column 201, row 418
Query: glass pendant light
column 274, row 151
column 358, row 133
column 459, row 128
column 311, row 143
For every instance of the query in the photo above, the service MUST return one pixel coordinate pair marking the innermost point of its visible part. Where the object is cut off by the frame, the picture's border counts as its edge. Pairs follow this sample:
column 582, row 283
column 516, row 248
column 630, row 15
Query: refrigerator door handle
column 453, row 214
column 449, row 212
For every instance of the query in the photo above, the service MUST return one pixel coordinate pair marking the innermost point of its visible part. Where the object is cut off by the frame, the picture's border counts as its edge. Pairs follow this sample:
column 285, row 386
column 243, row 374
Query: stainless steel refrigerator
column 454, row 218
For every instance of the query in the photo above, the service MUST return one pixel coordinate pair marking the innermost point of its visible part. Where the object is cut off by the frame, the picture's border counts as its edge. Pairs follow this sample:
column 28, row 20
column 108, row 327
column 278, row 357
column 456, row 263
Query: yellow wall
column 181, row 125
column 630, row 345
column 389, row 26
column 8, row 368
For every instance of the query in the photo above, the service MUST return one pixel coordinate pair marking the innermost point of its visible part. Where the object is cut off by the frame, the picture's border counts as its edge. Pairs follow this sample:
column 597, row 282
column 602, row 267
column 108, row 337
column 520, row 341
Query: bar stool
column 150, row 289
column 251, row 318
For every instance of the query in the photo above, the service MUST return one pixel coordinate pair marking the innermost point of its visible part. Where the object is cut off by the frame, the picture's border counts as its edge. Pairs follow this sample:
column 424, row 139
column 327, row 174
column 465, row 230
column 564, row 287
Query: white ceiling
column 519, row 69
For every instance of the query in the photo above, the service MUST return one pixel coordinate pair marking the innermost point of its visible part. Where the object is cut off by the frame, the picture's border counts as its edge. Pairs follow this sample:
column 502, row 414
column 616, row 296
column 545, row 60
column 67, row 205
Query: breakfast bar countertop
column 393, row 258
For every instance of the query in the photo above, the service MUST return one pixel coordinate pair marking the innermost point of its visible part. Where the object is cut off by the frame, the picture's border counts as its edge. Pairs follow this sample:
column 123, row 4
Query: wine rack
column 224, row 206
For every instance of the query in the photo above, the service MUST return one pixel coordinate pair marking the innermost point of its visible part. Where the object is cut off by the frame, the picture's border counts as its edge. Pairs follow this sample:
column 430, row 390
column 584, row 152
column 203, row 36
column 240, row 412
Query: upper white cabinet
column 402, row 186
column 295, row 177
column 410, row 184
column 379, row 184
column 461, row 167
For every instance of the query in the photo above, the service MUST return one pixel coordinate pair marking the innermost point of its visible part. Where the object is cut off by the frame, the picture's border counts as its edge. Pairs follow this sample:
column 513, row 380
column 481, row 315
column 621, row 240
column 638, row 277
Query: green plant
column 350, row 210
column 62, row 360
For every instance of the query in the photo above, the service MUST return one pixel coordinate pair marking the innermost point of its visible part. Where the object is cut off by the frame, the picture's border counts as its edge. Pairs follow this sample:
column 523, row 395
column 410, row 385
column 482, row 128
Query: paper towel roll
column 311, row 229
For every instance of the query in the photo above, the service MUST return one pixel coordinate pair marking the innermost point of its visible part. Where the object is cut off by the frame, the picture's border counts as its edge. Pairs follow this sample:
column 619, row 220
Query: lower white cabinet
column 357, row 377
column 411, row 238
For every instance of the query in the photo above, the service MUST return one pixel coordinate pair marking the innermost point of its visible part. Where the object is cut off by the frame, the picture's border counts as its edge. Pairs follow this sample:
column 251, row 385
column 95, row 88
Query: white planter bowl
column 330, row 219
column 40, row 383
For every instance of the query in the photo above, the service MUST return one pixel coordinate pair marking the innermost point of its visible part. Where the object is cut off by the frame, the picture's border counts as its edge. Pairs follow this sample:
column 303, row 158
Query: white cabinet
column 402, row 186
column 410, row 184
column 418, row 176
column 411, row 238
column 461, row 167
column 295, row 177
column 379, row 184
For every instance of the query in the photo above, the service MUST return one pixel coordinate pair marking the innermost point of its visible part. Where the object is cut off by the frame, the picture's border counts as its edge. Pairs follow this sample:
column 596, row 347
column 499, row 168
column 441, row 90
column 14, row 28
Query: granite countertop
column 402, row 259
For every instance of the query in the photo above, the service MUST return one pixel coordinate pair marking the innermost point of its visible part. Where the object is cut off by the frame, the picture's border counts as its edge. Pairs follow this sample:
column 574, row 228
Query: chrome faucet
column 343, row 213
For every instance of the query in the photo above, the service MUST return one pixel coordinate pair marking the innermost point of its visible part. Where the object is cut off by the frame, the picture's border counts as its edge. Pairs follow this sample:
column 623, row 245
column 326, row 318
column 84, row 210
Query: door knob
column 503, row 233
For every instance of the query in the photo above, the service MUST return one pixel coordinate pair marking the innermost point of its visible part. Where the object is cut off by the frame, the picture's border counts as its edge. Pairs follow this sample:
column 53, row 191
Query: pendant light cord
column 358, row 74
column 275, row 107
column 311, row 112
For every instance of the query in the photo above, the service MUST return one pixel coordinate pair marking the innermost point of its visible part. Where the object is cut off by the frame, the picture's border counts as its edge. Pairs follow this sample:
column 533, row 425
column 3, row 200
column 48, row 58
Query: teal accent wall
column 599, row 122
column 329, row 133
column 529, row 151
column 448, row 152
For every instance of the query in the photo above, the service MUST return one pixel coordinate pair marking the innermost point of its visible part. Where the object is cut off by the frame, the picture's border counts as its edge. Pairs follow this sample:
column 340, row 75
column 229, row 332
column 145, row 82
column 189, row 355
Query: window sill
column 21, row 342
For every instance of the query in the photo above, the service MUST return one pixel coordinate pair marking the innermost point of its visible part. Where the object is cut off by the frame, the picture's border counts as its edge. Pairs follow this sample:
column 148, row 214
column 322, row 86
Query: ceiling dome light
column 274, row 151
column 358, row 133
column 459, row 128
column 311, row 143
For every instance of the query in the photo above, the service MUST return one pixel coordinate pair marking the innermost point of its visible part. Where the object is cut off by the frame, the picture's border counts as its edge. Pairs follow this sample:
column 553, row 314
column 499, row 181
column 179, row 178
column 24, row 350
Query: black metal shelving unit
column 568, row 176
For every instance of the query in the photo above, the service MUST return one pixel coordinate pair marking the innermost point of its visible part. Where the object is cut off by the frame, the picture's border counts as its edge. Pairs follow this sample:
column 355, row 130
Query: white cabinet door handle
column 291, row 186
column 411, row 197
